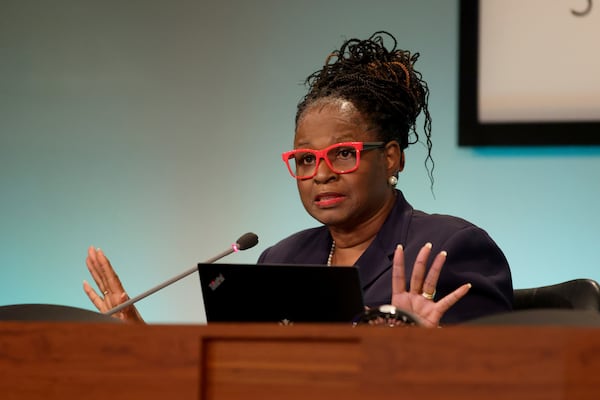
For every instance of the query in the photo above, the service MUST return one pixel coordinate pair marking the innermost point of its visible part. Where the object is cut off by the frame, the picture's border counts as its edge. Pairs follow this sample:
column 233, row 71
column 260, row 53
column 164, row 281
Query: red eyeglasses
column 341, row 158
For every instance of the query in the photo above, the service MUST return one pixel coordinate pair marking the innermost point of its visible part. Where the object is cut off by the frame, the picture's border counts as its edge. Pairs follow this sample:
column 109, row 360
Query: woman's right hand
column 111, row 291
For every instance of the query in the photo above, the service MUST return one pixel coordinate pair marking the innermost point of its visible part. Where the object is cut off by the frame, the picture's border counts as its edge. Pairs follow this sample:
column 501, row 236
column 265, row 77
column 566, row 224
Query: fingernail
column 470, row 286
column 428, row 245
column 444, row 253
column 399, row 247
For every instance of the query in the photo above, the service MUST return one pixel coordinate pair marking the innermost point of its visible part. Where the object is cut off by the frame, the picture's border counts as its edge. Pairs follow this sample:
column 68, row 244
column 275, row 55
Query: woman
column 351, row 131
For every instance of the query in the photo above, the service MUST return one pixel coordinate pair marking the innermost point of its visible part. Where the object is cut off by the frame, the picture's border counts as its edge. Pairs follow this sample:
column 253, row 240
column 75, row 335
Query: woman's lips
column 328, row 199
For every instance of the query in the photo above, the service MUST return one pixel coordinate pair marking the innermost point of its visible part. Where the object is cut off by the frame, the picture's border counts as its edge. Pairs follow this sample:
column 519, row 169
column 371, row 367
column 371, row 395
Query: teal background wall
column 153, row 129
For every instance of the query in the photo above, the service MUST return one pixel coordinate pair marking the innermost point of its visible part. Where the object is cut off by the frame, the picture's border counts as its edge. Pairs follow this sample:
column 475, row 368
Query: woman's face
column 344, row 200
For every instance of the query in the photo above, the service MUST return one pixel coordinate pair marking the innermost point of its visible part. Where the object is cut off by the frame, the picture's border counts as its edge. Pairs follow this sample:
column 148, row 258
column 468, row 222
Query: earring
column 393, row 181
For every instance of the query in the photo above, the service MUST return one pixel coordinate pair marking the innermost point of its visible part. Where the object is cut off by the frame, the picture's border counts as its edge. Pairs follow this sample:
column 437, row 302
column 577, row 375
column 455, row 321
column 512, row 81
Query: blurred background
column 153, row 130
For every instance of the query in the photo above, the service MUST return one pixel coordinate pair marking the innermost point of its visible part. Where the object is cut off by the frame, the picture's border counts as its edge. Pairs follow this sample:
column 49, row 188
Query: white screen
column 538, row 62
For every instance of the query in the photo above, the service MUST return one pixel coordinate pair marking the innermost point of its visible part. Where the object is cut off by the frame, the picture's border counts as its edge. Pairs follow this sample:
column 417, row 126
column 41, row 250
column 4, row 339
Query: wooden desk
column 238, row 361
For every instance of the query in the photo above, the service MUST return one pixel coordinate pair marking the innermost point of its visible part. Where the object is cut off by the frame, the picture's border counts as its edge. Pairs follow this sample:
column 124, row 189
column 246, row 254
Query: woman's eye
column 307, row 159
column 347, row 153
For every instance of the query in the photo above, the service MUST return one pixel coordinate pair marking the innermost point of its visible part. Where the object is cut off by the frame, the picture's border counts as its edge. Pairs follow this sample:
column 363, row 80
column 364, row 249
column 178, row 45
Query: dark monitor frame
column 472, row 132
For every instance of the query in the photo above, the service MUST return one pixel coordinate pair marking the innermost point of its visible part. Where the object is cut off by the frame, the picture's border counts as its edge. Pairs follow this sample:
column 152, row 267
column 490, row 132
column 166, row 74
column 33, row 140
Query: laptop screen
column 280, row 293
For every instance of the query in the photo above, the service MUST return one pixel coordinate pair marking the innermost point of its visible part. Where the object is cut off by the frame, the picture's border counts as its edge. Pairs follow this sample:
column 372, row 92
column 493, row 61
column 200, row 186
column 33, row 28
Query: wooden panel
column 68, row 361
column 582, row 365
column 486, row 363
column 292, row 368
column 265, row 361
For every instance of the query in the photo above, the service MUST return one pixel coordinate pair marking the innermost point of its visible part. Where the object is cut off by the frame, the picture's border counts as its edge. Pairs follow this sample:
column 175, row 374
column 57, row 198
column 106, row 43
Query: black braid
column 383, row 86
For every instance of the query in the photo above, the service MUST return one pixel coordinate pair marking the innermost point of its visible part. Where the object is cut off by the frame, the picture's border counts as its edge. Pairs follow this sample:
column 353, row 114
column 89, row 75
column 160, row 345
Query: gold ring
column 428, row 296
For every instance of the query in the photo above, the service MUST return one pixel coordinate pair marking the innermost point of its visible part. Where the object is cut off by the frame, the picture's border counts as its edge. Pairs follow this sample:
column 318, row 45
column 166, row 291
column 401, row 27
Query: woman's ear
column 394, row 158
column 401, row 161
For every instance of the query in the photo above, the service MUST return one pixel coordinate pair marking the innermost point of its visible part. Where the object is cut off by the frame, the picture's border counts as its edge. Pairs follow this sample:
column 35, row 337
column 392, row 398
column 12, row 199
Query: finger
column 93, row 296
column 398, row 275
column 114, row 289
column 113, row 284
column 418, row 273
column 99, row 262
column 434, row 273
column 95, row 268
column 448, row 301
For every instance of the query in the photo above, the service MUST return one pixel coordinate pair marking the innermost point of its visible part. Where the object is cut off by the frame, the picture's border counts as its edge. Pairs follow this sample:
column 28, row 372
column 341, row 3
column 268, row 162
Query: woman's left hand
column 418, row 300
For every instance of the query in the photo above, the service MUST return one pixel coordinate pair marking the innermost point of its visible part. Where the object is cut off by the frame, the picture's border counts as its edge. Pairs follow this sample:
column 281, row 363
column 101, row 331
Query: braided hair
column 383, row 86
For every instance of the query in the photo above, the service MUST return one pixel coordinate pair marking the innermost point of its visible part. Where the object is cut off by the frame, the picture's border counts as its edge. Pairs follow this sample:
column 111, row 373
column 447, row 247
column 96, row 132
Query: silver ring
column 105, row 292
column 428, row 296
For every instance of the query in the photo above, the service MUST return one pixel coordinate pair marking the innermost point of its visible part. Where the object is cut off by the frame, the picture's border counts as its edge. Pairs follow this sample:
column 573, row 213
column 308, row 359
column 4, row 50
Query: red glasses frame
column 322, row 154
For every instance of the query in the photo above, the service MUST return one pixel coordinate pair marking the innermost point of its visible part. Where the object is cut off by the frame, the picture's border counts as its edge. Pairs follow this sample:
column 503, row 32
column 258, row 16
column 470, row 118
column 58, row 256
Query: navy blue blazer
column 473, row 257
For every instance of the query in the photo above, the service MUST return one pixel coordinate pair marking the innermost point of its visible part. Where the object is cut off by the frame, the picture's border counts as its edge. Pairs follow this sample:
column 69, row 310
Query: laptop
column 280, row 293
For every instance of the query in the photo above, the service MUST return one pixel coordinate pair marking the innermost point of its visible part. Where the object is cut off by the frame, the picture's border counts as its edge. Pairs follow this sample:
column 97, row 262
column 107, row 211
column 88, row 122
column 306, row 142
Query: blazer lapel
column 314, row 249
column 377, row 259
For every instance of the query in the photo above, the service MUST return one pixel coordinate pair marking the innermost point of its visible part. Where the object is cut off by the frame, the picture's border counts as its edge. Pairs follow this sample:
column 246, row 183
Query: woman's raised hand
column 111, row 291
column 418, row 299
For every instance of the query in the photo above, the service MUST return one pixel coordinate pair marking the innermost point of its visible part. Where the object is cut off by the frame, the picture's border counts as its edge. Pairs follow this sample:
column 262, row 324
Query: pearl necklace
column 330, row 256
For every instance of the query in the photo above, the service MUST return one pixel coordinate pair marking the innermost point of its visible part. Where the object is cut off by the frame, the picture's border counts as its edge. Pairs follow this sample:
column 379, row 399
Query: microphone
column 245, row 241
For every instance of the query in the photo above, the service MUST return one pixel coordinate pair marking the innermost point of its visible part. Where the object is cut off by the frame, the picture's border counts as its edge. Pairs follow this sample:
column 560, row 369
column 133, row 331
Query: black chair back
column 576, row 294
column 52, row 312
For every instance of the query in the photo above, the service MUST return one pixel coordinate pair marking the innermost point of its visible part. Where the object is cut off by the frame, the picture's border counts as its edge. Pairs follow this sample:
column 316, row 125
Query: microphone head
column 247, row 240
